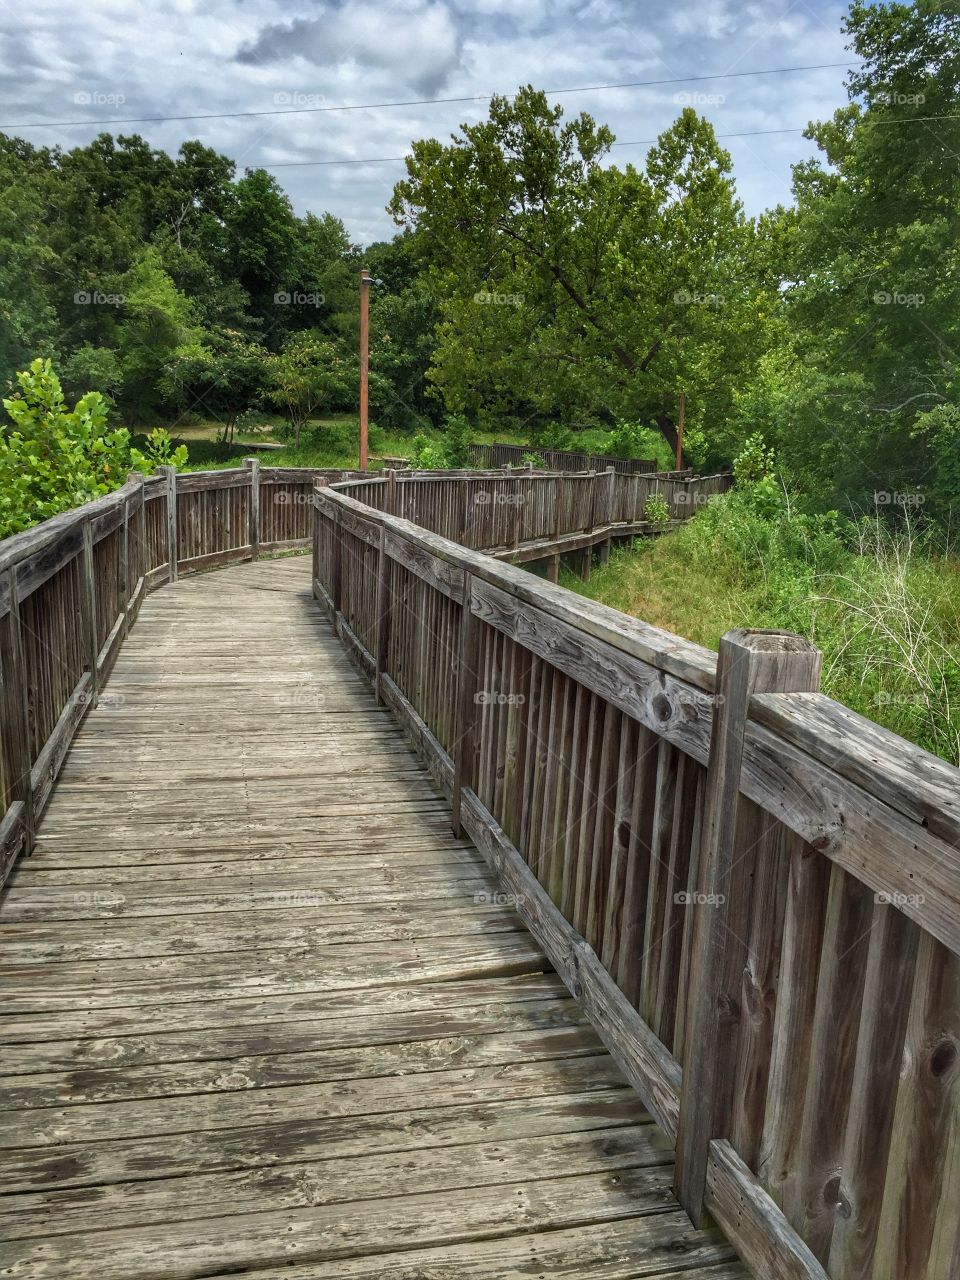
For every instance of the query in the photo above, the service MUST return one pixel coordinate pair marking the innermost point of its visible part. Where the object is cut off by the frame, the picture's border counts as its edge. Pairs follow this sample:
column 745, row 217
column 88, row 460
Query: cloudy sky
column 111, row 59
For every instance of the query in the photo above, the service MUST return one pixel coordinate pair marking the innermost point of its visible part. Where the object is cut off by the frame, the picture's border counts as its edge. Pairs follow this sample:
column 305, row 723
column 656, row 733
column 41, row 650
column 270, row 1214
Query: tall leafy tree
column 569, row 286
column 865, row 391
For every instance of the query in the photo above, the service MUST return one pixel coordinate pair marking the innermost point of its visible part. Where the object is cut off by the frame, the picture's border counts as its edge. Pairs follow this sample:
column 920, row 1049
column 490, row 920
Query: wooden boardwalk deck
column 266, row 1016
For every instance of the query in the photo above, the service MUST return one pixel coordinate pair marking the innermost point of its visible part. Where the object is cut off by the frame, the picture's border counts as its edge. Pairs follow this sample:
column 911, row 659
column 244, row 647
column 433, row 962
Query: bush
column 880, row 603
column 53, row 458
column 631, row 440
column 457, row 441
column 656, row 510
column 427, row 456
column 158, row 451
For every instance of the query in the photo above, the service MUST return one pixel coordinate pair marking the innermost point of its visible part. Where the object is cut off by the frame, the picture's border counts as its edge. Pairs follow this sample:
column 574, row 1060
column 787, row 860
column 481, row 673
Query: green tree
column 218, row 375
column 872, row 323
column 155, row 319
column 571, row 289
column 305, row 375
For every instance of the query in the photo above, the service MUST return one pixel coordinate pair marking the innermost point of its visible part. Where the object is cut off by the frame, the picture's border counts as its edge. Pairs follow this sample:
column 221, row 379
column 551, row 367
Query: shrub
column 656, row 510
column 631, row 440
column 158, row 451
column 53, row 458
column 427, row 455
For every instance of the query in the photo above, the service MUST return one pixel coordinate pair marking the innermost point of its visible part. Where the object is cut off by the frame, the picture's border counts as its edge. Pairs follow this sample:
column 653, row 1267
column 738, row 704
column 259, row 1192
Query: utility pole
column 364, row 361
column 683, row 405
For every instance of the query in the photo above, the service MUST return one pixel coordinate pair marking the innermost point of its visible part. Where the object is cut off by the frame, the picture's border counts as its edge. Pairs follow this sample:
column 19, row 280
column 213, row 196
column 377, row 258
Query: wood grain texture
column 291, row 1019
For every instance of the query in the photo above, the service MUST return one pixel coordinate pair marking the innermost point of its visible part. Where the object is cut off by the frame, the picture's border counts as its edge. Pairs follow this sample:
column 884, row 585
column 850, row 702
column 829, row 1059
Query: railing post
column 383, row 613
column 463, row 739
column 336, row 565
column 391, row 492
column 15, row 713
column 594, row 489
column 737, row 838
column 170, row 475
column 609, row 504
column 123, row 569
column 253, row 510
column 88, row 609
column 611, row 474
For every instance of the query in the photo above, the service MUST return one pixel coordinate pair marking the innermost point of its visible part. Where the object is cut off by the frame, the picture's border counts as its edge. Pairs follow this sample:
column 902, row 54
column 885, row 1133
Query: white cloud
column 194, row 58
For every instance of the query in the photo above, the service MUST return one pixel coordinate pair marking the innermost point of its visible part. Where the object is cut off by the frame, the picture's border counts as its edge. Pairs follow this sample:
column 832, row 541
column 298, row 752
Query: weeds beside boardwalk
column 883, row 605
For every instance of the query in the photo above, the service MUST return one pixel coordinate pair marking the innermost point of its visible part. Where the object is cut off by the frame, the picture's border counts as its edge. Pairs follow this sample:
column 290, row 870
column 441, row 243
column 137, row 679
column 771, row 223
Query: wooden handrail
column 579, row 755
column 71, row 587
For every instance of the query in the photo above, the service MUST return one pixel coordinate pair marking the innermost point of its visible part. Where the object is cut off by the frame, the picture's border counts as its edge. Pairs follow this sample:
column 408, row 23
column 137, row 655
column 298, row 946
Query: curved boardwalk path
column 267, row 1017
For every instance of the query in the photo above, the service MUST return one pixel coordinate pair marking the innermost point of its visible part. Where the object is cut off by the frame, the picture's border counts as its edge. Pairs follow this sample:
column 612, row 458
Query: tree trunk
column 667, row 428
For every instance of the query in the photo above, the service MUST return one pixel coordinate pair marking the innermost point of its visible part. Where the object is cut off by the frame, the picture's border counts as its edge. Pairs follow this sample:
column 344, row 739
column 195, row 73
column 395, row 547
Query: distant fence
column 497, row 511
column 753, row 892
column 516, row 455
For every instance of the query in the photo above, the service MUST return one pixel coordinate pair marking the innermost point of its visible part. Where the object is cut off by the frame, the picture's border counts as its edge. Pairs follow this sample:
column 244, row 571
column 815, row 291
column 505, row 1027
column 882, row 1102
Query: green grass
column 882, row 606
column 330, row 441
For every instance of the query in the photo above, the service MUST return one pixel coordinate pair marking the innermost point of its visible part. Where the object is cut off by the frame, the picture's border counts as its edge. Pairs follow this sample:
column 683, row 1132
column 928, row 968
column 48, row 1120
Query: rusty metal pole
column 683, row 405
column 364, row 362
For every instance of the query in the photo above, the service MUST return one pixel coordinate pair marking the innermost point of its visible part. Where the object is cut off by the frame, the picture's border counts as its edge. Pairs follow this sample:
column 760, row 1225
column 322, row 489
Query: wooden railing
column 516, row 455
column 70, row 588
column 753, row 892
column 501, row 512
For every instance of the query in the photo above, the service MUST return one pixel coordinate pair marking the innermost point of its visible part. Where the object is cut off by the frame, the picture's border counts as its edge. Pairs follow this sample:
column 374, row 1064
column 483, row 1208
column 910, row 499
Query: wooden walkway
column 265, row 1016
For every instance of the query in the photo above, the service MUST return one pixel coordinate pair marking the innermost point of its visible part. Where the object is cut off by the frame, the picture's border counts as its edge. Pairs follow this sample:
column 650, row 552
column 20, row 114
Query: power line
column 416, row 102
column 642, row 142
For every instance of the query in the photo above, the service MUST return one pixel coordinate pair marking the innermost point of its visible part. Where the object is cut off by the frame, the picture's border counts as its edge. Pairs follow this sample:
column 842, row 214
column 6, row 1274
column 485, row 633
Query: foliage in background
column 52, row 457
column 570, row 289
column 308, row 373
column 158, row 451
column 881, row 605
column 860, row 382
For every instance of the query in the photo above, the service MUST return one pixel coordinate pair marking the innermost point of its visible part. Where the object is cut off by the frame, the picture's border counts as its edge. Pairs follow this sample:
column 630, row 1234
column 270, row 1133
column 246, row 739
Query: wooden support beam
column 737, row 838
column 464, row 751
column 170, row 491
column 15, row 713
column 88, row 609
column 252, row 466
column 383, row 615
